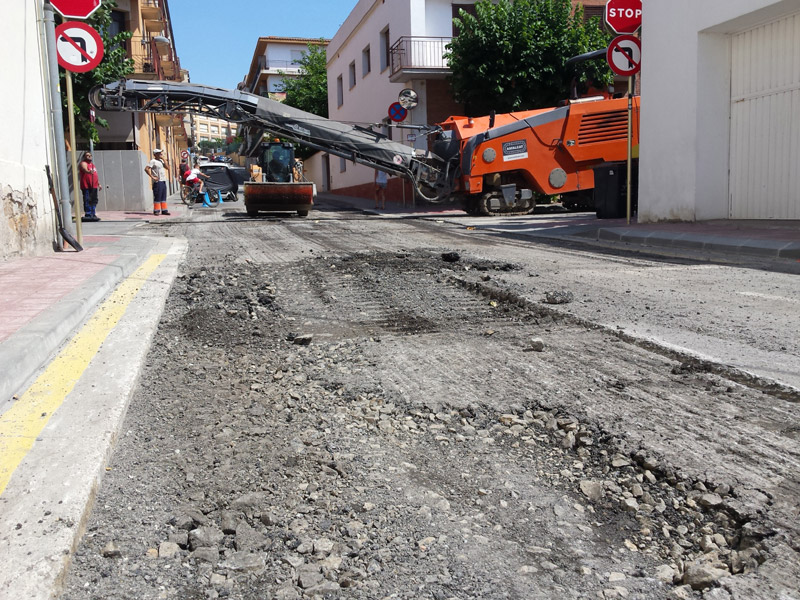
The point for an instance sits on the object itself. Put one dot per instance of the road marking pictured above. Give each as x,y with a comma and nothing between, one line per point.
25,420
768,296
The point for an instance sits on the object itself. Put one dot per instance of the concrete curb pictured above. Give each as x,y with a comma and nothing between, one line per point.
33,345
737,246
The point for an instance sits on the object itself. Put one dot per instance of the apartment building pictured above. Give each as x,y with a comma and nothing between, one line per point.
207,128
125,148
382,48
276,59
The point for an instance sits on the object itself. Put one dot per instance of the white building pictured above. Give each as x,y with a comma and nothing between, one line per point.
720,119
382,48
275,59
27,221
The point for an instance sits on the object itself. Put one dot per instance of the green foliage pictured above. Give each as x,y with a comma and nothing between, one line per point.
114,66
512,55
210,146
309,91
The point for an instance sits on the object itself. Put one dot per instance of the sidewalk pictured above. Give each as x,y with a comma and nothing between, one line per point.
46,297
779,240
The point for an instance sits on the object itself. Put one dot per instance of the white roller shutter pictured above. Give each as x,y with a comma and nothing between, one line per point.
765,121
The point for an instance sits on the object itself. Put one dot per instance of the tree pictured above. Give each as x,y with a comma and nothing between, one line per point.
309,90
114,66
511,55
211,146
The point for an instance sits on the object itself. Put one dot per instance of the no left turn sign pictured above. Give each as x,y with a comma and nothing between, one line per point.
624,55
79,47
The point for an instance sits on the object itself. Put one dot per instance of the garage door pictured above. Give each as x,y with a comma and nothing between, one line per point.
765,122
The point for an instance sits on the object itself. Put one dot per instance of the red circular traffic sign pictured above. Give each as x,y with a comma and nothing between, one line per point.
76,9
397,113
624,55
624,16
79,47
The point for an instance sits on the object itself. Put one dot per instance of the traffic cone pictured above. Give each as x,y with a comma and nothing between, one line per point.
206,200
219,195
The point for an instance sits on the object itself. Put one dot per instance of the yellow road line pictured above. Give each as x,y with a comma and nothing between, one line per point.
25,420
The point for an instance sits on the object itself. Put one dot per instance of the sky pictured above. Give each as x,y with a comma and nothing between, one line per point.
215,39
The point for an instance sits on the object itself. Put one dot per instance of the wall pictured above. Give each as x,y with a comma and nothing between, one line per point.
368,101
123,183
27,221
686,103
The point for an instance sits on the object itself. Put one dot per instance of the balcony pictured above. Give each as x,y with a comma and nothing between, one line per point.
273,67
154,58
418,58
150,9
155,19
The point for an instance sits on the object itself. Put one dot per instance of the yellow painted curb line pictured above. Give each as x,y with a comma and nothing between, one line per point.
25,420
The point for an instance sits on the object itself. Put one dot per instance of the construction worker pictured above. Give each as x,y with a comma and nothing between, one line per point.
156,170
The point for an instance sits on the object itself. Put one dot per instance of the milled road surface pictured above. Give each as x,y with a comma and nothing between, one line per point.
357,407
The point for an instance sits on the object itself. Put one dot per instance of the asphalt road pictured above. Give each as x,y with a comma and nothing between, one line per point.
365,407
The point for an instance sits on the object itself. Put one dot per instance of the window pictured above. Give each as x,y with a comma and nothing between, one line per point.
117,23
385,49
202,128
589,12
467,8
366,62
297,56
352,71
342,165
215,129
339,91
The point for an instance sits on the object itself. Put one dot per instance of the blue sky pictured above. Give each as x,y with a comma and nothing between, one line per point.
216,39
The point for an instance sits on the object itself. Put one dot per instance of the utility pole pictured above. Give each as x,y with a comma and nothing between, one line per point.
58,118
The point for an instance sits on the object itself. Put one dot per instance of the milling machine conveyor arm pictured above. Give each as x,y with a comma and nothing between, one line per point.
351,142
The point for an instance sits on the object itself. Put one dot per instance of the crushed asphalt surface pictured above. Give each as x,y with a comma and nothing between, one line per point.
356,408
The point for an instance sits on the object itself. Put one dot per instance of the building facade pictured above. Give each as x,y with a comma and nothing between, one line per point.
274,60
27,221
720,123
208,128
127,145
380,49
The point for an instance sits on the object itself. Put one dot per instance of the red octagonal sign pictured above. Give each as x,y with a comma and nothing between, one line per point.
76,9
624,16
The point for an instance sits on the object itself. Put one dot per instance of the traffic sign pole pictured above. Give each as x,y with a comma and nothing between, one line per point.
57,121
630,148
77,209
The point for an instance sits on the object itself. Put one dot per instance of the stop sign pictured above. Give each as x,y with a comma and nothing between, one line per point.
624,16
76,9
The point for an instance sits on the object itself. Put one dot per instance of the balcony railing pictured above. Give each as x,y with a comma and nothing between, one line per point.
280,65
419,53
154,60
